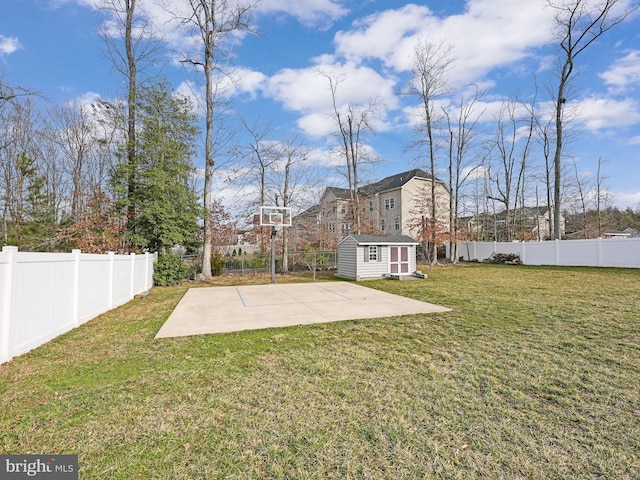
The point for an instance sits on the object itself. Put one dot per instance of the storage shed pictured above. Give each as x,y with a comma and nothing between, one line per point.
376,256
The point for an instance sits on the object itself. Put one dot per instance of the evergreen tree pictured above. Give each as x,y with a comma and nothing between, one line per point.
166,207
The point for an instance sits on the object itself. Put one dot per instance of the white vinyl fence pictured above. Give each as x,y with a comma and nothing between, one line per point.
43,295
600,252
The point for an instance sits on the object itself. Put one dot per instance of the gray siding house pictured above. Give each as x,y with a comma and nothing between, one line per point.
363,257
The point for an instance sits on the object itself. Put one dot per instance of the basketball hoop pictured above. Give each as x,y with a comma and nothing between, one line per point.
277,218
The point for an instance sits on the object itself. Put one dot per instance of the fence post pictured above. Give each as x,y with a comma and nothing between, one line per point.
5,312
146,270
112,258
133,274
75,295
599,253
523,252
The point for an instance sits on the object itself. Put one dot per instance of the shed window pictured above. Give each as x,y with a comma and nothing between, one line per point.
372,253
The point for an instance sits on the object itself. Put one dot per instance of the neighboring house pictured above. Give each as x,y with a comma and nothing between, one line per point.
363,257
626,233
402,202
335,218
396,205
528,223
305,229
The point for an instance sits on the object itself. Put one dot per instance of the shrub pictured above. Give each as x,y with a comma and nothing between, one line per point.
259,260
169,270
217,264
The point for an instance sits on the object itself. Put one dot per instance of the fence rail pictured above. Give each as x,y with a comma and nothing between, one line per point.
43,295
600,252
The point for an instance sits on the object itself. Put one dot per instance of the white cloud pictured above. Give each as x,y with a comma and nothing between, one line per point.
317,124
238,81
8,45
307,92
627,200
607,114
249,81
624,71
307,12
488,34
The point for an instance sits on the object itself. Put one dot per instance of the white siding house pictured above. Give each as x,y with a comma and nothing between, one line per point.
363,257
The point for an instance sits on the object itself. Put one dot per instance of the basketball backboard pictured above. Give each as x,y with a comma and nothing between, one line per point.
275,216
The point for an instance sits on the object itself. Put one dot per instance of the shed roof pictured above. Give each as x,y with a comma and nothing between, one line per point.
381,239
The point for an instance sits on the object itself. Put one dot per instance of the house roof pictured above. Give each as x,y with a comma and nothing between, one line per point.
309,212
338,192
617,233
388,183
380,239
395,181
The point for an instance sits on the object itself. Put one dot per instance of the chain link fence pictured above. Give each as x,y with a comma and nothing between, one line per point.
241,264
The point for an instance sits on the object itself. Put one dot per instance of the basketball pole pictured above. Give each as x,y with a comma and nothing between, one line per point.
273,254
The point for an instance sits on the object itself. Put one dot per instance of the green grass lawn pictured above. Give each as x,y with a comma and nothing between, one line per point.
534,374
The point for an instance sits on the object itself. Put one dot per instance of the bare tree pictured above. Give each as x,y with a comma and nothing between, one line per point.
600,193
257,157
12,93
461,134
22,184
581,191
513,145
211,21
291,181
70,126
579,24
543,137
353,123
18,129
431,62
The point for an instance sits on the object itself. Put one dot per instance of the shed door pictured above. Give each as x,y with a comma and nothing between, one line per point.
399,260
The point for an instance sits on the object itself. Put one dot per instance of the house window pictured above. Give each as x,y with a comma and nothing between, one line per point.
397,223
372,253
332,226
382,222
343,208
345,228
389,203
371,206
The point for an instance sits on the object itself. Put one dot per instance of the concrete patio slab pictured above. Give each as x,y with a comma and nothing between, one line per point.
231,309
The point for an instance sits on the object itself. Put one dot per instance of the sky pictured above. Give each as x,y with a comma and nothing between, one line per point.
503,47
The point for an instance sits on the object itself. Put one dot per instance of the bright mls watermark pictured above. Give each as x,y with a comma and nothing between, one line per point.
49,467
